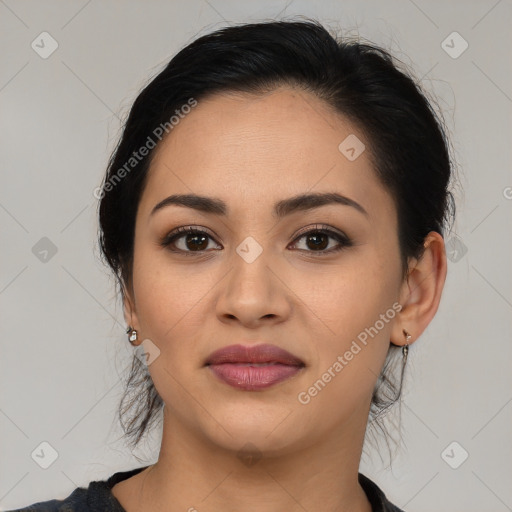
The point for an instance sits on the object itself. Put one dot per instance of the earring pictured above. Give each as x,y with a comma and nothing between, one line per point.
405,348
132,336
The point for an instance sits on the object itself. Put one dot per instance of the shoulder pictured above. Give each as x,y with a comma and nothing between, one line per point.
97,496
76,501
376,496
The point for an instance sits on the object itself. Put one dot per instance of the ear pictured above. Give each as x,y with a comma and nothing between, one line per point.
420,293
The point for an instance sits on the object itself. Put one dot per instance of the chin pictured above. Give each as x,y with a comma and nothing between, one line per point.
252,442
264,428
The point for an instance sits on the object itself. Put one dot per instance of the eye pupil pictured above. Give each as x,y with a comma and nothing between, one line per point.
316,244
195,237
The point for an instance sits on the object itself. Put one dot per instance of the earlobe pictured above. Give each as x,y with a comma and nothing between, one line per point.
131,319
421,291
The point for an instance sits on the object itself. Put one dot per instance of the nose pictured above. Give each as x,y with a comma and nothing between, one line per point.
254,294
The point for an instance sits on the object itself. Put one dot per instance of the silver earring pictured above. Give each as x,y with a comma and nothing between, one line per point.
405,348
132,336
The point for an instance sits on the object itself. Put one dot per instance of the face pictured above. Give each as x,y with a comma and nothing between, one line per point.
322,282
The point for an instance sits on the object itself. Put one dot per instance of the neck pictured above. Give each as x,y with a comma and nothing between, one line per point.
192,474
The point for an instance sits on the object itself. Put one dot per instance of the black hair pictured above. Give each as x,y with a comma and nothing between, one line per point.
407,143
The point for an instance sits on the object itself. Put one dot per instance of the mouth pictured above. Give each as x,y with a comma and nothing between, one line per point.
253,368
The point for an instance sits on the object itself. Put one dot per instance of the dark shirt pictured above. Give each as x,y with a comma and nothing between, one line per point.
98,497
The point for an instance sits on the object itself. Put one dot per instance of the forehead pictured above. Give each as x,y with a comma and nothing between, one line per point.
263,147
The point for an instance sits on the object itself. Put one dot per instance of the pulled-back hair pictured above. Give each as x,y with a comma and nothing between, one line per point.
406,141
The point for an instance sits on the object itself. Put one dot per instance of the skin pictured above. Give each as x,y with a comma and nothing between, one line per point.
251,151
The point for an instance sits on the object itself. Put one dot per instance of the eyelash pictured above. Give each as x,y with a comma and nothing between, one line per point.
178,233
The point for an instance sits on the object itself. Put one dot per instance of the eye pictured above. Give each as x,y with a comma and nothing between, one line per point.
318,240
194,240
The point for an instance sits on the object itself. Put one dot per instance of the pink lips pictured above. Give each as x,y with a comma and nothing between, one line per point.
252,368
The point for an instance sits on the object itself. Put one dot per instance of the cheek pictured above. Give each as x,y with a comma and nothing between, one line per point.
350,347
168,301
353,309
167,296
345,299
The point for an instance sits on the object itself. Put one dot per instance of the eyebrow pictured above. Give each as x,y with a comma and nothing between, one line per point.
301,202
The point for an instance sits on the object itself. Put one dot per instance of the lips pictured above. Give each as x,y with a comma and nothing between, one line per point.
253,354
253,368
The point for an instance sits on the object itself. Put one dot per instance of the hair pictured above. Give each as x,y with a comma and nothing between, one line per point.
407,144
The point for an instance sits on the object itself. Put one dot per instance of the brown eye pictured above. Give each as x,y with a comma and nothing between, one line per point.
318,240
195,241
187,240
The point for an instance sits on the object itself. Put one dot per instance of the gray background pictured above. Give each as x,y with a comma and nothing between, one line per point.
63,347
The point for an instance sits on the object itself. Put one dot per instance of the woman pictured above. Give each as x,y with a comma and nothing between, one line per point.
274,213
